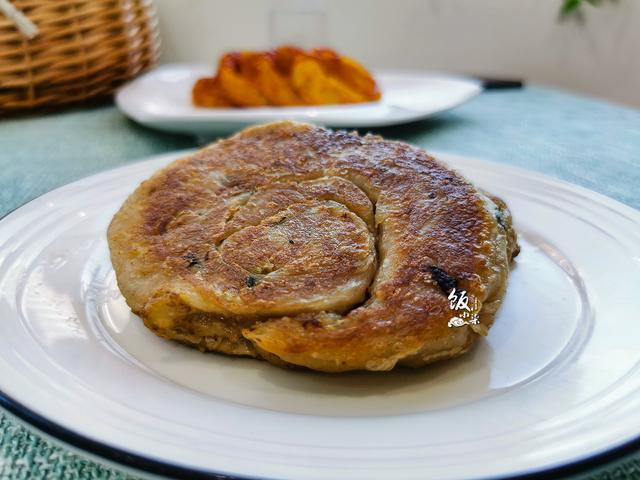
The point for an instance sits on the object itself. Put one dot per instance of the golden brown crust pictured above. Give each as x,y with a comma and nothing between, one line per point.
311,247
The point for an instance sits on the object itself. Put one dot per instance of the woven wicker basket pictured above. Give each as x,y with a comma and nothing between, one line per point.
84,49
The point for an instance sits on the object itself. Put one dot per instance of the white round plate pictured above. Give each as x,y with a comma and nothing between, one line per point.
555,382
161,99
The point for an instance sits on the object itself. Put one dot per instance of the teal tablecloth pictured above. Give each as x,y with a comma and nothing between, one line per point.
588,142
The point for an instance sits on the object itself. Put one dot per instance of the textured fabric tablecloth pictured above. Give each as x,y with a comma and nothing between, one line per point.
584,141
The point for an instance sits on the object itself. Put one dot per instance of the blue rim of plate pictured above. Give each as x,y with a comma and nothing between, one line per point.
156,467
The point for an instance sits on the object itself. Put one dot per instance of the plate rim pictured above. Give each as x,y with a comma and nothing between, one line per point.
148,465
98,450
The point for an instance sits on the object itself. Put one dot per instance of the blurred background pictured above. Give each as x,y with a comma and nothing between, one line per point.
594,51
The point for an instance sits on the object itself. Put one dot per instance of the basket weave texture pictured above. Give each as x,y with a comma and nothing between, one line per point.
84,49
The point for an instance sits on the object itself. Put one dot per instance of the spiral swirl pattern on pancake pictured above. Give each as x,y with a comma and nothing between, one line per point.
313,248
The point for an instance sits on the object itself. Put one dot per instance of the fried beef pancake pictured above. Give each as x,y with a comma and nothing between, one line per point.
315,248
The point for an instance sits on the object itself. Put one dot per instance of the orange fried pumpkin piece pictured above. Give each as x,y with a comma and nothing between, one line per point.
316,87
237,88
285,56
207,93
348,71
261,70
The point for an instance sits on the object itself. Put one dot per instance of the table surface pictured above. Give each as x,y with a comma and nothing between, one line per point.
584,141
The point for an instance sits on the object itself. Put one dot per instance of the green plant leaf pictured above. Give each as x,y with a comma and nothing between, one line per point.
570,6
